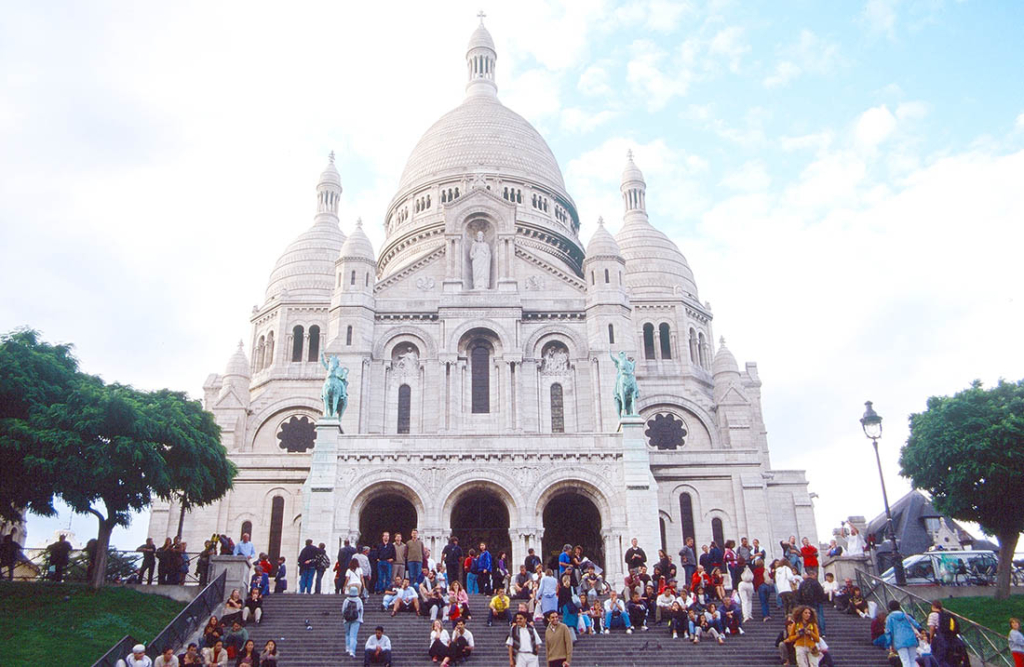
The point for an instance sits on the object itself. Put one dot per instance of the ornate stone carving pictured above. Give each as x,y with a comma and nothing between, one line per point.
626,391
480,256
405,360
425,283
534,284
555,360
335,391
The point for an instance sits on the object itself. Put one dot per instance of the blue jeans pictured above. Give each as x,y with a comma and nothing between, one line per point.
471,586
319,578
763,594
351,632
623,619
385,656
383,576
306,580
414,570
821,617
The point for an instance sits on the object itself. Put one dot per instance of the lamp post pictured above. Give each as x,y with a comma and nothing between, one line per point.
872,424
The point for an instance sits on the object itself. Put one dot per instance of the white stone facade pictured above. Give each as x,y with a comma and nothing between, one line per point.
501,389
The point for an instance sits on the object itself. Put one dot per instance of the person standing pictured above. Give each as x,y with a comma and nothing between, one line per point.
10,554
60,556
148,551
281,576
452,557
811,594
635,557
346,552
321,564
809,553
414,558
1016,643
804,637
484,567
385,560
401,551
904,634
547,593
365,569
352,615
523,643
245,548
557,641
688,559
307,567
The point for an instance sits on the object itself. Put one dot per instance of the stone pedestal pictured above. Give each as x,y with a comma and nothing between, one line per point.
845,567
641,493
237,568
319,497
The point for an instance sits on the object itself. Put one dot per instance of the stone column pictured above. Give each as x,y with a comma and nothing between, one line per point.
641,493
318,493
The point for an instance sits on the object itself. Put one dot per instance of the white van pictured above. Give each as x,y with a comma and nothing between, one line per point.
948,568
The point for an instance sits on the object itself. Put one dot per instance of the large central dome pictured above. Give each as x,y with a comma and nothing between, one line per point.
481,133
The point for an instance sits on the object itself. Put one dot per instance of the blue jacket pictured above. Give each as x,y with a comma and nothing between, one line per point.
483,562
900,628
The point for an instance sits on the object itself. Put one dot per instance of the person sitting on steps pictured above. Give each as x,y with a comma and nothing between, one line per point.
377,650
615,614
408,599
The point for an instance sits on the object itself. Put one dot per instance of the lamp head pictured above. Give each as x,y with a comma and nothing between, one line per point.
872,422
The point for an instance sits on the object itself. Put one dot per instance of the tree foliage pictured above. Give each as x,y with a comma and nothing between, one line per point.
104,449
967,452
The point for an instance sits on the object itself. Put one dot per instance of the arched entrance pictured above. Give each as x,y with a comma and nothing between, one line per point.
481,516
572,518
389,512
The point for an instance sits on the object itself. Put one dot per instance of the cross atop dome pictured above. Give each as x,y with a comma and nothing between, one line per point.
480,15
330,156
629,154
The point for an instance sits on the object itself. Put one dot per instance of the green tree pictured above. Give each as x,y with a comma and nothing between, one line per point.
107,450
967,452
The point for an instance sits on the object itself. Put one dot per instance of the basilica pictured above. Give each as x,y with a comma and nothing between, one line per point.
480,344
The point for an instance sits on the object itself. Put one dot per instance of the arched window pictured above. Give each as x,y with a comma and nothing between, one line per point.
297,334
314,343
717,534
607,278
693,346
666,341
686,516
352,280
269,359
648,341
246,529
276,523
481,380
404,408
260,351
702,350
661,521
611,334
593,280
348,335
366,283
557,409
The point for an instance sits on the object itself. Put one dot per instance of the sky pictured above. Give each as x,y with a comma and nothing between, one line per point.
845,179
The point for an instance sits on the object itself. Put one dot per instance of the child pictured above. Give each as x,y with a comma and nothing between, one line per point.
1016,643
281,577
830,586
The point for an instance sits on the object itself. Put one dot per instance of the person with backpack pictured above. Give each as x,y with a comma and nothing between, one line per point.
352,615
904,634
321,563
810,593
307,567
943,635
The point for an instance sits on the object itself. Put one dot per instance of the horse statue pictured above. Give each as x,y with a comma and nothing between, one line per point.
626,390
335,391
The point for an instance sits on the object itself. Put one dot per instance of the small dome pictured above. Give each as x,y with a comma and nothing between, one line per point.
481,38
330,175
306,268
632,173
238,364
724,361
654,265
602,244
357,245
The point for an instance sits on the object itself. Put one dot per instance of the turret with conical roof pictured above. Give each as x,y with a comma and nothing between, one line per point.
481,58
353,303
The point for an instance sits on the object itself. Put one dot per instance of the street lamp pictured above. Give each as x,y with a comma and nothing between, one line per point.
872,424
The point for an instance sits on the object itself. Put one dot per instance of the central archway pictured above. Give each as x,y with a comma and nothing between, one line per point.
481,516
389,512
572,518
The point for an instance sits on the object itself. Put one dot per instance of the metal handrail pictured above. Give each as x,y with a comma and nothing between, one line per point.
986,644
117,652
178,630
78,564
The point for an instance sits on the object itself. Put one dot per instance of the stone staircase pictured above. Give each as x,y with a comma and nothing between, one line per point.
285,617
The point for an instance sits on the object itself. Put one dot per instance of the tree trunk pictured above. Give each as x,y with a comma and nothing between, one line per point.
1007,545
99,568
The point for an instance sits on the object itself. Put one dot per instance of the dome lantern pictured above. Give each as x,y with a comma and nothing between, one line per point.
634,188
328,190
480,61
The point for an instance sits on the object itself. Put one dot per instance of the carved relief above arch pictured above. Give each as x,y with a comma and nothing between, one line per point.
388,339
571,339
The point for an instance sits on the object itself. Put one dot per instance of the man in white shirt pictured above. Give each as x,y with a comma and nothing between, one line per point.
364,567
523,643
137,658
378,648
408,599
462,642
615,614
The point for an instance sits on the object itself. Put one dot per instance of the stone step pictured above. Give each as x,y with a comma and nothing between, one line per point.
285,617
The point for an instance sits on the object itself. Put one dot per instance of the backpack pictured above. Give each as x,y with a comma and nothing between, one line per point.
949,625
227,545
351,611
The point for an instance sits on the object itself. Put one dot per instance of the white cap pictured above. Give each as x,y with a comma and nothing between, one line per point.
139,648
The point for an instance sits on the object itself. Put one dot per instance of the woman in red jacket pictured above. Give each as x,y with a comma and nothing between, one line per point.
809,552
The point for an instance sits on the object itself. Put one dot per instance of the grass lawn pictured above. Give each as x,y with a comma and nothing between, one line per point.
72,625
991,613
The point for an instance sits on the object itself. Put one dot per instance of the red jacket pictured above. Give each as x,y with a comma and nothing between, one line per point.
810,554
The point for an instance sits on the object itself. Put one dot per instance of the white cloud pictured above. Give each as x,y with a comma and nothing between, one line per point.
810,54
880,15
874,126
1020,122
576,120
752,176
594,81
911,110
652,75
730,44
818,141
